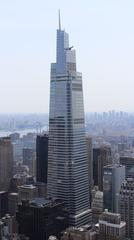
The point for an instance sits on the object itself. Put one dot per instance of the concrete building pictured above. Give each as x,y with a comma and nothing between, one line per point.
27,192
41,218
126,206
113,177
85,232
97,205
101,158
6,163
111,227
67,152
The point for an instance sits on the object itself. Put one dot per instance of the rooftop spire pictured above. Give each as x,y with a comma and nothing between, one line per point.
59,21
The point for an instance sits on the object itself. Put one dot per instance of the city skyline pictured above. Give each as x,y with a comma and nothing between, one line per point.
101,31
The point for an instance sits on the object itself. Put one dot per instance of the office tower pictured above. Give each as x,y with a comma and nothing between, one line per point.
27,192
40,218
90,162
3,203
128,162
126,206
67,153
97,205
6,163
12,203
101,158
41,158
29,158
111,227
113,177
85,232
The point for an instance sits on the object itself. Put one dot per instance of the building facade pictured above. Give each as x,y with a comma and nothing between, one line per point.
27,192
67,152
111,227
101,158
128,162
126,206
29,158
3,203
41,158
90,163
82,233
113,177
97,205
6,163
40,218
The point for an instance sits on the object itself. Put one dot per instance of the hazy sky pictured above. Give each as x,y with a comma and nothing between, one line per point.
102,33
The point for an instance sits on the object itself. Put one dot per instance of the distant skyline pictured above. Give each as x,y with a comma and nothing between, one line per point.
103,34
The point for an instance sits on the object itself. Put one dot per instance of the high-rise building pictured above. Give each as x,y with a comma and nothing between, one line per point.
6,163
111,227
101,158
113,177
40,218
67,152
3,203
126,206
90,162
41,158
12,203
29,158
97,205
128,162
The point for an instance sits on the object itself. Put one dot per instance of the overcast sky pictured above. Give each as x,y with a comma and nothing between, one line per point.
102,32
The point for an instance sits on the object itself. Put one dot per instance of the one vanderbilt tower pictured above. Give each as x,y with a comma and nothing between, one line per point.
67,154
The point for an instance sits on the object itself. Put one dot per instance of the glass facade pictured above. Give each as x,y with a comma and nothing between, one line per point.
67,153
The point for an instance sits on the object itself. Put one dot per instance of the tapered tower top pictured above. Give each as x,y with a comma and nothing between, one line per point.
59,21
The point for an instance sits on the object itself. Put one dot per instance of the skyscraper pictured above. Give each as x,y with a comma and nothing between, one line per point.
6,163
126,206
101,158
113,177
41,158
67,153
